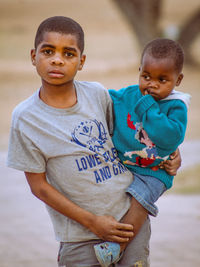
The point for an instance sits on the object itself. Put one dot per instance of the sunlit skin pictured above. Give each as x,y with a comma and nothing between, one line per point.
57,60
158,77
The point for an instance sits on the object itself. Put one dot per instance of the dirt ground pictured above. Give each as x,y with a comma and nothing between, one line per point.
26,235
27,238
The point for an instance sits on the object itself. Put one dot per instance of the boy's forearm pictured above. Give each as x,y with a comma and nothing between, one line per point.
171,166
105,227
53,198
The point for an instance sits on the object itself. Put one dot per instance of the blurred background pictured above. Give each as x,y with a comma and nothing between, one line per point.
115,33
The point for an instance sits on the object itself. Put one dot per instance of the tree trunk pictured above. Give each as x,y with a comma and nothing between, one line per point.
189,32
143,17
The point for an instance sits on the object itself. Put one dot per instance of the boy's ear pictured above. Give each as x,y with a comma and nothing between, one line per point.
82,61
33,56
180,77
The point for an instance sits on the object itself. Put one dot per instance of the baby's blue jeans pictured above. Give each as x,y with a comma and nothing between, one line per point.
146,190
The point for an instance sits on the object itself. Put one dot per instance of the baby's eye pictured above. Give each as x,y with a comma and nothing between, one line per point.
162,80
146,77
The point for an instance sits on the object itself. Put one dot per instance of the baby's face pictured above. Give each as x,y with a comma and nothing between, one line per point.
158,77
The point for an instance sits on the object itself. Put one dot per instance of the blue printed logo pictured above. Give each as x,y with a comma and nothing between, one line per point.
91,134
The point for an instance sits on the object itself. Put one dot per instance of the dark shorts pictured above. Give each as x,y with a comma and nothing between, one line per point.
82,254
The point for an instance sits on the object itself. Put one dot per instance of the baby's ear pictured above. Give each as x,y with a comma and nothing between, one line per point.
180,77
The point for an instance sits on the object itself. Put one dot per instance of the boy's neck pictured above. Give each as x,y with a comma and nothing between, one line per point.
58,97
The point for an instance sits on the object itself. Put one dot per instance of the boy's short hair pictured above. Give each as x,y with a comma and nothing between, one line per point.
165,48
63,25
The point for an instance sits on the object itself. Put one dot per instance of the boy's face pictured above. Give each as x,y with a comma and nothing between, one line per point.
158,77
57,59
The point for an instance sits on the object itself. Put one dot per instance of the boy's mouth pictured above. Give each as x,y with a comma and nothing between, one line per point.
56,74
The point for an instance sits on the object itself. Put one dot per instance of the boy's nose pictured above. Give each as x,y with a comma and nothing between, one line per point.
57,61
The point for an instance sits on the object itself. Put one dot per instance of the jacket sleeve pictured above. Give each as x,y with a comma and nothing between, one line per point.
166,131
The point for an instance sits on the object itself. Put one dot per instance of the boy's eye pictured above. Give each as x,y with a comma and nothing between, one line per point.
69,54
48,52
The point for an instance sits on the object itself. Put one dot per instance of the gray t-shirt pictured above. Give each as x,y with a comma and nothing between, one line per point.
73,146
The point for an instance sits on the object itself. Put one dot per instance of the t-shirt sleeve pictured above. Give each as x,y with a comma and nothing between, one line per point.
110,114
23,154
107,104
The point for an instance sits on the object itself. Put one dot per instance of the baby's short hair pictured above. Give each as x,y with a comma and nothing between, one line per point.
165,48
63,25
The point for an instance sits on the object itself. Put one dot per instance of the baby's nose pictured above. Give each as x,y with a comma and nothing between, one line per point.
154,84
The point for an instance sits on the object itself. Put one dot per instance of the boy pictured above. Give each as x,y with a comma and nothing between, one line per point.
150,123
60,138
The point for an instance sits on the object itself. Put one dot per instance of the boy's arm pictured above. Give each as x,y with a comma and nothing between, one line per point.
105,227
166,131
172,165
